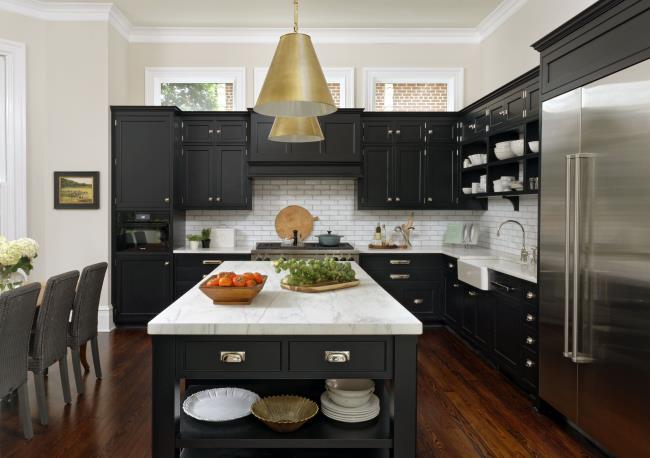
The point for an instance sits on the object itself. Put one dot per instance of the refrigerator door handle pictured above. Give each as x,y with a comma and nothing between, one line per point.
567,255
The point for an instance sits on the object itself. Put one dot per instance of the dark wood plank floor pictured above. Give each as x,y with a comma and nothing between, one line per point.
466,408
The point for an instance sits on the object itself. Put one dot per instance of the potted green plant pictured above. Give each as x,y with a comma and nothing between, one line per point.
205,237
195,241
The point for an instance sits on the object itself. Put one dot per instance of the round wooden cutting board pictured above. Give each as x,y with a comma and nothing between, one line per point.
294,217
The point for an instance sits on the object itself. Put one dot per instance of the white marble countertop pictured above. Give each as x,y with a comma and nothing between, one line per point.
363,310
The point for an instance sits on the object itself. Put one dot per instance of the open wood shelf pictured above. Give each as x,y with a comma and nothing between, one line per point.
320,432
284,453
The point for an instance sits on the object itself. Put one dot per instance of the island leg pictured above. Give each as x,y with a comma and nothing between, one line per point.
165,402
405,397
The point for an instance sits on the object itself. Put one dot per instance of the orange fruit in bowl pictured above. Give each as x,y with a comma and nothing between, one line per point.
258,277
251,282
225,281
239,281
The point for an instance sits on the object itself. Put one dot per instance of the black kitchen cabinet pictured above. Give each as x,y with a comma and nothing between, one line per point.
532,101
475,124
469,303
143,142
508,333
191,268
215,177
453,303
378,131
142,287
376,187
439,177
206,130
407,160
393,130
440,130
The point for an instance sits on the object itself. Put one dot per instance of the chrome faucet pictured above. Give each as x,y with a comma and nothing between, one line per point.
524,253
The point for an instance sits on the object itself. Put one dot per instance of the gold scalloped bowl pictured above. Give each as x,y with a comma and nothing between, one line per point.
284,414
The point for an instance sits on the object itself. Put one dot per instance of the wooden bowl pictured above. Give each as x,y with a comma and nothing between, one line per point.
284,414
231,295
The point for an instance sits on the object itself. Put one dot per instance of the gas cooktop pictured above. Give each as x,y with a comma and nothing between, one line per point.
305,246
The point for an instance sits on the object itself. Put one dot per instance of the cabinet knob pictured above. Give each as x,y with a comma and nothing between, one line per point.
397,199
472,293
418,301
530,363
430,132
166,263
429,199
218,131
209,199
530,295
398,132
337,356
210,131
218,199
389,199
530,340
456,285
166,199
530,318
390,132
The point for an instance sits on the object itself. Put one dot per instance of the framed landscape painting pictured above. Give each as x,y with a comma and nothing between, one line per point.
76,190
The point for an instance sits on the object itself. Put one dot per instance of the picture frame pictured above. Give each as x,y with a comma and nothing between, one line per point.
76,190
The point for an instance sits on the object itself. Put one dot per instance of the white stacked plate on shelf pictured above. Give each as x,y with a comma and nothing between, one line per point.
365,412
220,404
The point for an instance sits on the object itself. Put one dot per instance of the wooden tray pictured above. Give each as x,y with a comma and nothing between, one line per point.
231,295
387,247
319,288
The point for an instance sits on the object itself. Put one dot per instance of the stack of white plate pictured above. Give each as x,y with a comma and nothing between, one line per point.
350,400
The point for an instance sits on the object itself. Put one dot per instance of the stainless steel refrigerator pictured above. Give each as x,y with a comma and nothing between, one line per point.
595,259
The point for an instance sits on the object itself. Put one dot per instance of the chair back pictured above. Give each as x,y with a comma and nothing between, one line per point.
17,309
50,336
86,303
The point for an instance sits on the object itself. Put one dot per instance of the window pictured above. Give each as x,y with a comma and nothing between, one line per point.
416,89
196,89
339,80
13,178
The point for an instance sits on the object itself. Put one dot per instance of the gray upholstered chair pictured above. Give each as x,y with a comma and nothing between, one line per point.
83,327
16,317
48,343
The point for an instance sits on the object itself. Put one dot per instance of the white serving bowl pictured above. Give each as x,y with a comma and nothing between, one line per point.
467,190
503,154
483,158
475,159
498,187
506,179
350,387
517,147
344,401
534,146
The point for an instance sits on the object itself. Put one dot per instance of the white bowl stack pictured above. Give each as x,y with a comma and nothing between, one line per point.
502,150
350,400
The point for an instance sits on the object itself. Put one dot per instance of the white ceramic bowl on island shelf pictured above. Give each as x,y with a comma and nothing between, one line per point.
467,190
503,153
534,146
517,147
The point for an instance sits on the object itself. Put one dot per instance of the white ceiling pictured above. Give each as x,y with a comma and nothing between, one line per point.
313,13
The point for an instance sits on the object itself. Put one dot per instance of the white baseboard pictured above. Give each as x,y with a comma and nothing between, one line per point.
105,318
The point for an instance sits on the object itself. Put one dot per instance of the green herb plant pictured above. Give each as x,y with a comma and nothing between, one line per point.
194,238
314,271
205,233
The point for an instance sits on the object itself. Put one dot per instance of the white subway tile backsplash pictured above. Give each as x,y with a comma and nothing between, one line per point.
334,201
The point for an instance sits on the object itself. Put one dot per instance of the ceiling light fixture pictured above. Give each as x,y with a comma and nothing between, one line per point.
295,85
296,130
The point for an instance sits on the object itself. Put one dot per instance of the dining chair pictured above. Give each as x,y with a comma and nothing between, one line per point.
48,343
83,327
17,309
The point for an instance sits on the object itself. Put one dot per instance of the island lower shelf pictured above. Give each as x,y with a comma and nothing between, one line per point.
320,432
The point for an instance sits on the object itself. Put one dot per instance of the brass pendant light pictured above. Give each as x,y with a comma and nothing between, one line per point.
295,85
296,130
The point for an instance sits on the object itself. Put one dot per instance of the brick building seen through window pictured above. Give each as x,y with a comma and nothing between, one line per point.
335,89
411,96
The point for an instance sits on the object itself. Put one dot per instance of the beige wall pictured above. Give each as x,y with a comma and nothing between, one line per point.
507,53
330,55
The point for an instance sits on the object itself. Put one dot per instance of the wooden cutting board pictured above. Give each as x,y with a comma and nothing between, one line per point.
320,288
294,217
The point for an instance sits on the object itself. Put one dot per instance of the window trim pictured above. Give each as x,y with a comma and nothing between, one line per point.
155,76
342,75
13,191
453,77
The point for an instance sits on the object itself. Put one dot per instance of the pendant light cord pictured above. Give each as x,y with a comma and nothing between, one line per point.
295,16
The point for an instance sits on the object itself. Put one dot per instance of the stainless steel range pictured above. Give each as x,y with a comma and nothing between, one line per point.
267,251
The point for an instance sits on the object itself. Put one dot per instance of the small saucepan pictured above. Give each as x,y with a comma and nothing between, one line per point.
329,239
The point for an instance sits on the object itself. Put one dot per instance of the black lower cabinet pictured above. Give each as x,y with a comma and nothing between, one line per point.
142,287
190,268
416,281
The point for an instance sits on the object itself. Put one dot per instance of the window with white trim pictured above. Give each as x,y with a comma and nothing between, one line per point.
413,89
196,88
340,81
13,152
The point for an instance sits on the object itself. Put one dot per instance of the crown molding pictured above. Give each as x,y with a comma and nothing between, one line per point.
108,12
497,17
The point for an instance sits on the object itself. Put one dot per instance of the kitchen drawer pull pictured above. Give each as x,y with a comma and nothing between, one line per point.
502,286
400,262
400,276
450,265
530,295
530,340
418,301
337,356
530,317
233,356
456,285
529,363
212,262
472,293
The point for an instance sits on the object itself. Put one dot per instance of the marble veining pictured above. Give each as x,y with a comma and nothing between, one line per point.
363,310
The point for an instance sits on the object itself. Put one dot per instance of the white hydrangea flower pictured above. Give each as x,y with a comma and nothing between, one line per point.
11,252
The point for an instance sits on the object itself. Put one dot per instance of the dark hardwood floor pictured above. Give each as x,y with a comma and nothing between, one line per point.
466,408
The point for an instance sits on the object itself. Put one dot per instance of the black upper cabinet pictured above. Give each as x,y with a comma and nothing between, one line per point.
215,177
439,132
515,105
439,176
475,123
393,130
342,133
143,145
408,131
376,188
142,287
408,175
532,99
378,131
263,149
210,130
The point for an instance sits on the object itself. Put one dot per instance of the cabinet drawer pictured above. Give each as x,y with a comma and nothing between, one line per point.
422,298
398,261
194,274
339,356
207,260
211,356
505,285
400,275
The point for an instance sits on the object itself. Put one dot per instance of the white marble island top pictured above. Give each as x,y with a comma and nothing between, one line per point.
363,310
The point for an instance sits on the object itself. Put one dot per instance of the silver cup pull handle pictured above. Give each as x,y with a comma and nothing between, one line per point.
233,357
337,356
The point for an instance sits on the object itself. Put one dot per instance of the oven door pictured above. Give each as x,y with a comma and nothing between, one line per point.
137,232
